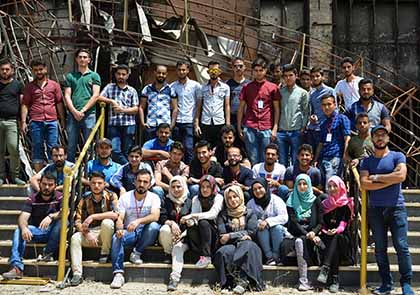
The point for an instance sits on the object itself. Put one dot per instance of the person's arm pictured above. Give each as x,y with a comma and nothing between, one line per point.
318,153
387,124
69,104
294,225
115,180
23,220
368,184
158,178
281,217
143,104
214,210
197,129
346,145
23,115
306,110
92,101
240,116
174,107
397,176
227,110
61,114
152,217
78,217
319,216
276,106
34,181
155,154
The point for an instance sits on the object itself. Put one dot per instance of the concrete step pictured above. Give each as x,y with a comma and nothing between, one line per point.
14,190
9,216
411,195
413,223
413,239
393,259
413,209
11,203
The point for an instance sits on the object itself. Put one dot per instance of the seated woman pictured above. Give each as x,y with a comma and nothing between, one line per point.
338,211
175,206
202,229
238,261
305,222
272,215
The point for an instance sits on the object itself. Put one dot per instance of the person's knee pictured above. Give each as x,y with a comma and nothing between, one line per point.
107,224
76,238
152,227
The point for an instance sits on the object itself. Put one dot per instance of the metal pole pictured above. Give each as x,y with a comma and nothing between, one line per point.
70,11
363,245
102,127
125,20
302,54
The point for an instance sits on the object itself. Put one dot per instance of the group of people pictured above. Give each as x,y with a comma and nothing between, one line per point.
239,172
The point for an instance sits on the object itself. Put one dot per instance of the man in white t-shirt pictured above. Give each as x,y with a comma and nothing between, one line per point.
347,90
270,169
137,226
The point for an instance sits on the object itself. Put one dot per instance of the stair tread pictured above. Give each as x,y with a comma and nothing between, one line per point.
411,191
9,212
12,198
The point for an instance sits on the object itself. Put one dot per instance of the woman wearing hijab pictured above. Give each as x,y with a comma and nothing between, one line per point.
202,229
239,260
305,222
272,215
338,211
175,206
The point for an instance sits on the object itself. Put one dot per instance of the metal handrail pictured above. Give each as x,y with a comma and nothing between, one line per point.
69,175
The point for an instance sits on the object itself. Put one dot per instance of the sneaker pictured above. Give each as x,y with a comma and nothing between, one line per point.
270,262
335,286
103,258
203,262
45,257
18,181
406,289
118,281
323,274
240,287
135,257
13,273
304,287
172,286
76,280
383,290
1,181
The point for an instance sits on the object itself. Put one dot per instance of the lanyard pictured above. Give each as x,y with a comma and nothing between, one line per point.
137,208
329,127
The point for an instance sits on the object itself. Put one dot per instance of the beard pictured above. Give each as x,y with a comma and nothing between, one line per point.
365,98
6,77
59,164
141,190
233,163
213,78
380,147
103,157
46,193
160,80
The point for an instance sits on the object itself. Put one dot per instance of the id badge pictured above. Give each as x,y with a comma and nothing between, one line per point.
260,104
329,137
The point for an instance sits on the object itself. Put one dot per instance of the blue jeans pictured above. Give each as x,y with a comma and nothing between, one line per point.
73,131
140,239
288,142
51,236
159,191
43,132
283,192
183,132
395,219
122,138
255,143
330,167
270,240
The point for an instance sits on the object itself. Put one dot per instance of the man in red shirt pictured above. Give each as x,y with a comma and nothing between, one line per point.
262,101
43,99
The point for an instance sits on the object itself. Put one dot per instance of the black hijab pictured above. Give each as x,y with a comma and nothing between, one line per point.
207,202
264,201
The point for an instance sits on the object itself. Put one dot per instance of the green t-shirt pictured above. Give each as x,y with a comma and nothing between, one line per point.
81,87
359,148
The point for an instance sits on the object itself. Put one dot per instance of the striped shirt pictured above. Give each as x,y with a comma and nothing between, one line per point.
40,208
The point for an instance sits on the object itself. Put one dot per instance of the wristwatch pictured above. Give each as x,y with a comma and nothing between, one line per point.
51,216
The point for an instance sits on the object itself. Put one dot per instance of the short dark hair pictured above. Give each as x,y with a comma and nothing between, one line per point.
212,63
135,149
347,59
305,147
305,72
160,65
58,147
259,62
327,95
227,129
183,62
163,126
85,50
144,171
49,175
272,146
276,63
7,61
289,68
37,63
365,81
202,143
362,115
97,174
123,67
177,145
317,70
237,58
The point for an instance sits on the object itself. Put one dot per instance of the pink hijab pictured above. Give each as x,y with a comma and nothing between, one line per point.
340,199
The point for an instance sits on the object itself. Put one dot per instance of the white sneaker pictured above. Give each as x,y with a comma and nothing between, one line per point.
135,257
203,262
118,281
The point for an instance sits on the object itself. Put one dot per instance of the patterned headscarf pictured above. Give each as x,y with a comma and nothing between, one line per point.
181,200
302,202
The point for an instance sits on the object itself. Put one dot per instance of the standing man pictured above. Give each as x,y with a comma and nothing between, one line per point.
305,80
360,145
294,115
235,84
81,90
161,102
213,106
187,91
276,74
43,99
11,95
382,175
347,90
124,102
261,99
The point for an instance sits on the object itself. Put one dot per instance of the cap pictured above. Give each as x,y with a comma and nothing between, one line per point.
378,127
103,141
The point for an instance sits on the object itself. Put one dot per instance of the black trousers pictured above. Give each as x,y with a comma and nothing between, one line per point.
202,238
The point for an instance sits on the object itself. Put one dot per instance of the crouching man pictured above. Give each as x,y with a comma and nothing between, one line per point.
39,222
94,223
137,226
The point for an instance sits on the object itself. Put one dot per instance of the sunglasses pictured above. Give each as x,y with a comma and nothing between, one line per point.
214,71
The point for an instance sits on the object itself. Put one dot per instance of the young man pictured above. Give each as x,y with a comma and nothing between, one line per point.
124,106
11,95
213,106
319,89
235,84
260,101
187,91
59,158
94,222
43,100
360,145
294,115
81,90
335,136
276,74
159,147
368,103
39,222
161,102
136,225
382,175
270,169
202,165
347,90
305,81
166,169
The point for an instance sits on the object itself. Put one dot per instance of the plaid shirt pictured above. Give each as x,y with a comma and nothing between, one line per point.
158,104
88,206
126,97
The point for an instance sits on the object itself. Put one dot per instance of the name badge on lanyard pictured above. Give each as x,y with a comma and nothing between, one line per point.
329,137
260,104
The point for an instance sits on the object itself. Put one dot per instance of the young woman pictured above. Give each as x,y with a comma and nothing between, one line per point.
272,215
338,211
175,206
239,260
305,222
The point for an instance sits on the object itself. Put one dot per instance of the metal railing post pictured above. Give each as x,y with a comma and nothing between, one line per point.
102,127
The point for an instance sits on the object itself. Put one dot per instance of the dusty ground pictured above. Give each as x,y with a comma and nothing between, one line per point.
94,288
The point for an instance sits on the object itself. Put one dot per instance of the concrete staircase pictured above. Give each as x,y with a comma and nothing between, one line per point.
153,270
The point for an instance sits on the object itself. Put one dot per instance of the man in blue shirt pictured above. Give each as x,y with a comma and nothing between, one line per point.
159,147
382,174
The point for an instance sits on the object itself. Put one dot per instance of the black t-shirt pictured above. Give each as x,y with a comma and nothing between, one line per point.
245,177
39,208
10,99
197,171
221,154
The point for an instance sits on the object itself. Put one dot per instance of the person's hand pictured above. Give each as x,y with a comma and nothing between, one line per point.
315,163
78,116
91,239
346,158
313,119
166,172
133,225
331,232
119,233
122,191
197,131
224,239
262,225
241,133
310,235
88,220
118,109
273,183
273,136
175,229
316,240
23,127
246,237
144,125
45,223
184,219
63,124
354,162
26,234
